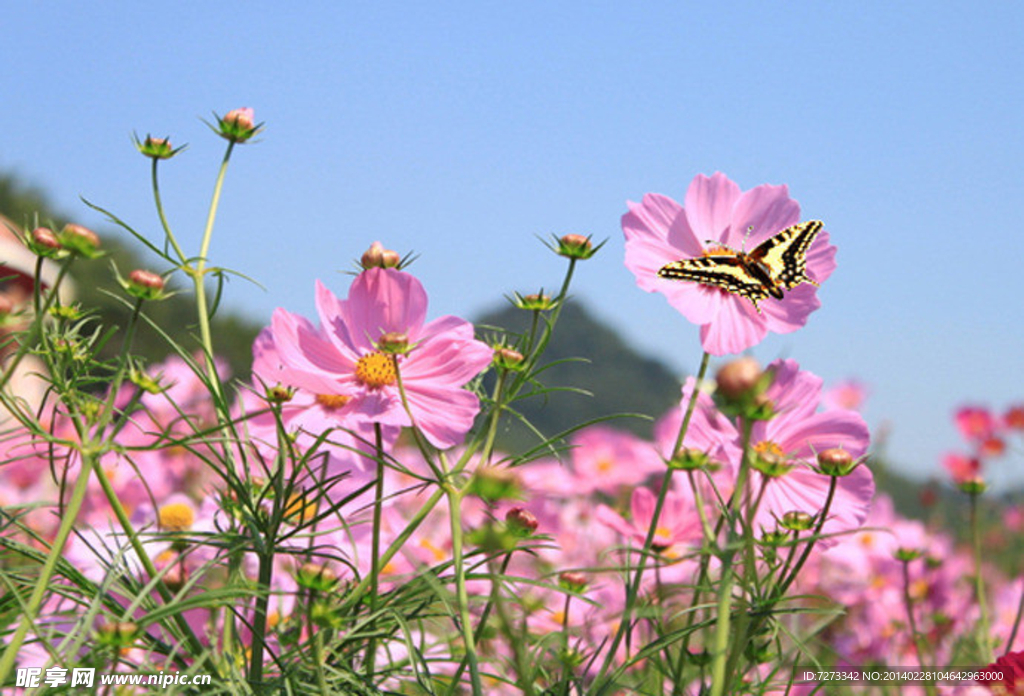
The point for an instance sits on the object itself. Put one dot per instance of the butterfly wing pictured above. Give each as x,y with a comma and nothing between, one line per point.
728,272
784,255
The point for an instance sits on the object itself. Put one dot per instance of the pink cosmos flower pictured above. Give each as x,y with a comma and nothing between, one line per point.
604,459
716,212
677,524
849,394
343,358
975,423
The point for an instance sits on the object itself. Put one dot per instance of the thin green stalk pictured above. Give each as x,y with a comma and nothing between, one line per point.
919,640
979,583
720,642
259,624
633,590
378,507
199,276
42,587
462,596
493,599
163,218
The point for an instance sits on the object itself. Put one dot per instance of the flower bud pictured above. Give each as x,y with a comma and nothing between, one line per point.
493,484
507,358
44,242
280,394
393,342
797,521
906,555
238,125
144,382
156,148
1014,417
379,257
572,581
835,461
740,389
738,378
538,302
972,486
521,521
690,459
145,285
576,246
117,634
316,577
80,240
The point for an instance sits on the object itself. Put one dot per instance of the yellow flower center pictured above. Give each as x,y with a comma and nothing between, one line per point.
438,554
300,509
605,465
767,448
332,401
176,517
376,370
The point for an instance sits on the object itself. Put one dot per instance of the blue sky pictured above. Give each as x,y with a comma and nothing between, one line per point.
461,131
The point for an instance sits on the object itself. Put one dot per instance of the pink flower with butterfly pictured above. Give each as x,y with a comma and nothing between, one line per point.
738,300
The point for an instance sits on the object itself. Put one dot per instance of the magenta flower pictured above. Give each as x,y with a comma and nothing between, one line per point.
659,231
677,524
349,358
604,459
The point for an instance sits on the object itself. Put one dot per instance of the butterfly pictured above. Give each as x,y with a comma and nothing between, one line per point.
776,264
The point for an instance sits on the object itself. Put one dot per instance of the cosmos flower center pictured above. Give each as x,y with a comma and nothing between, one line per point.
376,370
605,465
176,517
662,538
332,401
770,451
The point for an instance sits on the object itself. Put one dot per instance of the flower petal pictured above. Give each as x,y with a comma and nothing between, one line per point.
709,206
736,328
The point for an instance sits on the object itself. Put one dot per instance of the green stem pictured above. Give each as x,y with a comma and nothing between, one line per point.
979,583
462,596
163,218
67,523
378,507
720,653
199,276
633,590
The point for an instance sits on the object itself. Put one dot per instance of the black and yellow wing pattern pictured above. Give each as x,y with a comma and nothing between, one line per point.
779,263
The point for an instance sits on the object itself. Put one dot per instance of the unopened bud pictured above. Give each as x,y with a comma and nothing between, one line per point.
572,581
156,148
690,459
316,577
538,302
117,634
280,394
238,125
521,521
146,285
507,358
576,246
394,342
44,242
738,378
835,461
797,521
906,554
80,240
493,484
379,257
972,486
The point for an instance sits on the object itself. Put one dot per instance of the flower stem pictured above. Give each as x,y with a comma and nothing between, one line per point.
68,519
198,274
462,596
378,504
633,591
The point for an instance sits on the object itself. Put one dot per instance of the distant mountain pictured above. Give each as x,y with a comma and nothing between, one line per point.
619,379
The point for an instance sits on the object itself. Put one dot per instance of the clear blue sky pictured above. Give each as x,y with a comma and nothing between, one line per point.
462,131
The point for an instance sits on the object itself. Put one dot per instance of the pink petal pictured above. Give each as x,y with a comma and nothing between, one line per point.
807,436
384,300
821,258
792,311
709,206
767,209
447,354
333,320
443,414
737,327
313,363
794,392
642,505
